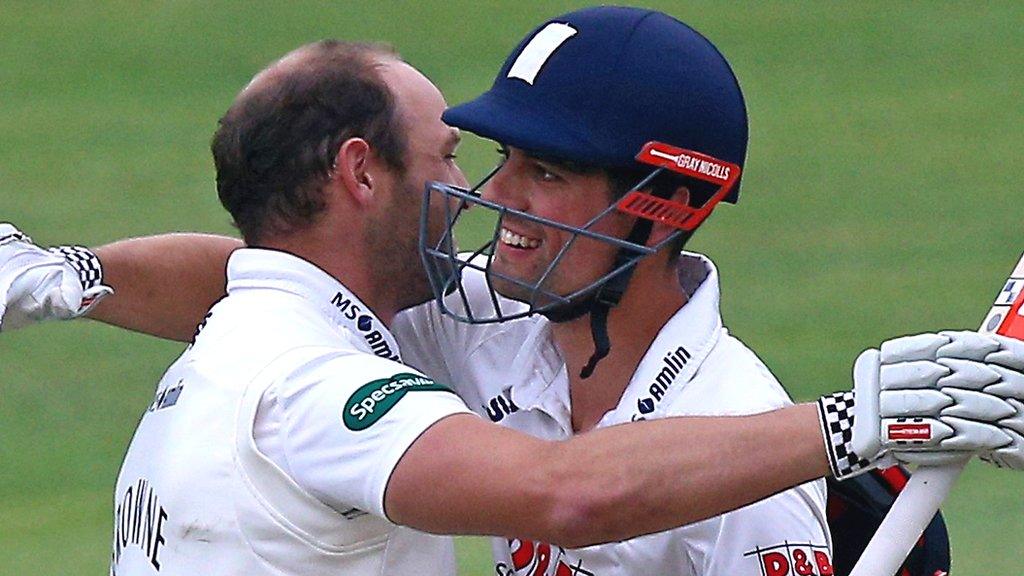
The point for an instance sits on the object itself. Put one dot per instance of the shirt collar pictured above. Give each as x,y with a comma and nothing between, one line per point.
680,347
259,268
677,351
539,376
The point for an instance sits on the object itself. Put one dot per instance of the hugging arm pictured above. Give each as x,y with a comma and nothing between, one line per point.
162,285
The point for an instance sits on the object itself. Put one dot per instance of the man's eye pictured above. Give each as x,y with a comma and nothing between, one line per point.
544,174
451,156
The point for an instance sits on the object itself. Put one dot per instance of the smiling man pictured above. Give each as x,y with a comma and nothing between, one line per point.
591,314
311,449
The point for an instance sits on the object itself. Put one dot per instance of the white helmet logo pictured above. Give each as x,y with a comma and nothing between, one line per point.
539,50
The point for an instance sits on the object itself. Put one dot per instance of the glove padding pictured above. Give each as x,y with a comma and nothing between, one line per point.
982,376
1005,358
36,284
930,399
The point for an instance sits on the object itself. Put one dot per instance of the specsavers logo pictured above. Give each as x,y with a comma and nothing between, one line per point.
374,399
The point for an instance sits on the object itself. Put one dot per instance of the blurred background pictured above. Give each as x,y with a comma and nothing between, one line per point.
880,197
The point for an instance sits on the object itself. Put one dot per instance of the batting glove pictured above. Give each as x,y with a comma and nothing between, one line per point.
929,399
61,283
1004,361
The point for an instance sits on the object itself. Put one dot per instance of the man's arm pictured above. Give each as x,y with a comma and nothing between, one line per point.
933,397
163,285
606,485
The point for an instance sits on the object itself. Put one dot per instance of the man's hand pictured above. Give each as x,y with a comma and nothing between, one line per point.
36,284
930,399
1005,361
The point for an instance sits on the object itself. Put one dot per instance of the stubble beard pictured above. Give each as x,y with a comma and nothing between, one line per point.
394,240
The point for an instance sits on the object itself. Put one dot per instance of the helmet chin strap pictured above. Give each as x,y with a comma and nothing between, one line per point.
609,295
600,303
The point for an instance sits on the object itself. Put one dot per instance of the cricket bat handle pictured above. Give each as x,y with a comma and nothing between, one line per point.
928,487
911,513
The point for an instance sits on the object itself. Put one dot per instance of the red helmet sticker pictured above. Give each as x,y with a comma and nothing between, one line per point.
688,163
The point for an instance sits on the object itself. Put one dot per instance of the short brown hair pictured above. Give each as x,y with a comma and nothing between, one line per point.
274,148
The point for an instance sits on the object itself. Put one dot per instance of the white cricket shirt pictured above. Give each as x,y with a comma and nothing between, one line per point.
270,441
513,373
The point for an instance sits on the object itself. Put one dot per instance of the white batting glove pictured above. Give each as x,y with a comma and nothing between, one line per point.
929,399
61,283
1004,357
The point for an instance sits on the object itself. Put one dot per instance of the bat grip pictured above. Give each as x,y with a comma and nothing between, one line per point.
913,510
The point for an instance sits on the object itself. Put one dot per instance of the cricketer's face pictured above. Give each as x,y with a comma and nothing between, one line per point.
430,155
526,249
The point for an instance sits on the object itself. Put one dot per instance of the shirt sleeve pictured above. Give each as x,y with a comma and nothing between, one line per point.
782,535
345,420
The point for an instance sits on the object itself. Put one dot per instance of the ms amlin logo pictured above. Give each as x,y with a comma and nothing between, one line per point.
371,401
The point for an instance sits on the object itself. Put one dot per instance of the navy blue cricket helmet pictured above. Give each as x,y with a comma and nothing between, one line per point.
594,86
605,87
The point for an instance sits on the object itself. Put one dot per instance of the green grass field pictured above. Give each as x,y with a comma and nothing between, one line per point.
880,197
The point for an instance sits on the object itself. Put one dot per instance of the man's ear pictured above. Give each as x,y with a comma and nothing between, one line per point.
351,171
660,231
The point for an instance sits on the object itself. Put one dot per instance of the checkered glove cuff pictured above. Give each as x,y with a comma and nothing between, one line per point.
835,414
84,262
